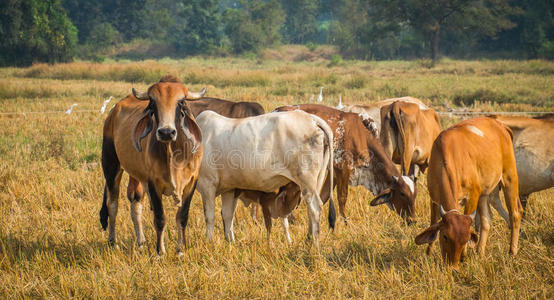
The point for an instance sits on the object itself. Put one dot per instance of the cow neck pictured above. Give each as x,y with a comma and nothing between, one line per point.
382,167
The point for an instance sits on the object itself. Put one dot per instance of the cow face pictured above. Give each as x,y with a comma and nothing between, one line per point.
454,232
171,114
400,197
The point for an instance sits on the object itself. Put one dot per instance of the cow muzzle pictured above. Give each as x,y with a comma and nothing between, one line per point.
166,134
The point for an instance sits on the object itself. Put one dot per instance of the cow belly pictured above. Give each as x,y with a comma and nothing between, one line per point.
255,181
534,173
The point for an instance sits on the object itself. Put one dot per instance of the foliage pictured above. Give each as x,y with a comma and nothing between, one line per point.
34,30
256,24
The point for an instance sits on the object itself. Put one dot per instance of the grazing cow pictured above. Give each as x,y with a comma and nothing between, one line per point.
373,110
468,163
407,134
534,152
263,153
277,204
359,159
225,108
154,137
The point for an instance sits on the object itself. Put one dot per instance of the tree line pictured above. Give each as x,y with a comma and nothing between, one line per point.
60,30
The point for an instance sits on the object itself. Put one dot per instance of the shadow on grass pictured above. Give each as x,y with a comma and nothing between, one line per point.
18,250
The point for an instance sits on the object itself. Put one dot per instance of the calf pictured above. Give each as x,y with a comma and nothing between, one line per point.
160,123
468,161
277,204
359,159
263,153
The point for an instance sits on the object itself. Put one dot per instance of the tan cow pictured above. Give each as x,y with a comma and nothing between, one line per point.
468,162
154,137
534,152
373,110
407,134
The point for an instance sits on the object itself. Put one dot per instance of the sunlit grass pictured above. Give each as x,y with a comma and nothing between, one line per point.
51,183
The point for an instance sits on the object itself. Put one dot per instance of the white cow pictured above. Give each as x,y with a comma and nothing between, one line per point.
263,153
373,110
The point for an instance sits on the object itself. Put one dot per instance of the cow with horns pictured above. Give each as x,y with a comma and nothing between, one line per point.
469,162
154,137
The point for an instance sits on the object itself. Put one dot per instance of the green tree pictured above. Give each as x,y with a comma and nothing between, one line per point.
430,17
253,25
35,30
200,30
301,20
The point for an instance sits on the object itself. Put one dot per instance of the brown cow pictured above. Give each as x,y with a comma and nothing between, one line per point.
361,160
468,163
223,107
226,108
160,123
278,204
407,134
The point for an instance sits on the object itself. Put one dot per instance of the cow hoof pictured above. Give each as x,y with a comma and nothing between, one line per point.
180,254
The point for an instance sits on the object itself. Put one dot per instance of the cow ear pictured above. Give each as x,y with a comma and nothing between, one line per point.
382,198
191,130
142,129
429,235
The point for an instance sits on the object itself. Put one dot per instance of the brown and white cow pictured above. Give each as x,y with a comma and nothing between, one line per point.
534,152
359,159
407,134
154,137
468,163
263,153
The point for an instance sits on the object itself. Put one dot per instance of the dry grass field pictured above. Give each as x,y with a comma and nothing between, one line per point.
51,183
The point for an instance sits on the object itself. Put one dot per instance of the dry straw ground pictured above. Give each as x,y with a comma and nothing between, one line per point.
51,245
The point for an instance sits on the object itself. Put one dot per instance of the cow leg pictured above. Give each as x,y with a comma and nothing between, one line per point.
497,205
267,219
342,179
511,196
314,209
181,220
435,217
523,199
135,194
112,202
159,217
286,228
254,211
228,206
484,218
112,174
208,202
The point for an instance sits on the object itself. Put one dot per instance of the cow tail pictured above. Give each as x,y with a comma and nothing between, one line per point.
396,121
332,217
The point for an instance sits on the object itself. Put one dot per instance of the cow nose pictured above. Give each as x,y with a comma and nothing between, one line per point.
166,134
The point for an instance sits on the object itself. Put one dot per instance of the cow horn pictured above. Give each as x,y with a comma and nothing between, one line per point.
442,211
140,96
196,95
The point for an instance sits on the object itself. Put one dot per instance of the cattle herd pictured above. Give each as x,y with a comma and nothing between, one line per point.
172,141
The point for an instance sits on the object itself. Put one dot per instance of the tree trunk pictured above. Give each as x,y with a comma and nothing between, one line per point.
435,43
